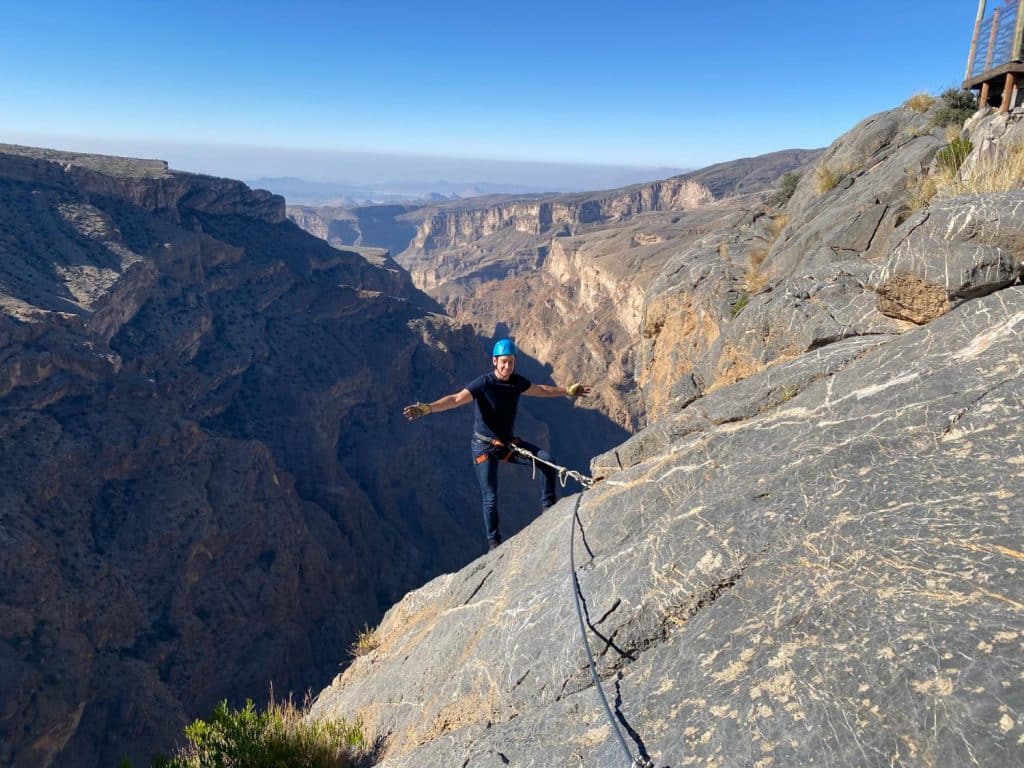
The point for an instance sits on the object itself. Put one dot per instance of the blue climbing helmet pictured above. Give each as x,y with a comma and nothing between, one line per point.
503,347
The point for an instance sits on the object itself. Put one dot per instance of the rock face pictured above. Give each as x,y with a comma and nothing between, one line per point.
826,573
848,260
810,556
585,306
208,485
465,223
753,174
381,226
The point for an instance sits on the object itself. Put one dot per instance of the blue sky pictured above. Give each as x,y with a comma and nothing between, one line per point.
665,83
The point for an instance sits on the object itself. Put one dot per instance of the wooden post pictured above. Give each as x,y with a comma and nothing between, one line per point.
983,97
974,40
992,40
1017,32
1011,81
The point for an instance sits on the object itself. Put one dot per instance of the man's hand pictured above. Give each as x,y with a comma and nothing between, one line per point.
415,411
577,390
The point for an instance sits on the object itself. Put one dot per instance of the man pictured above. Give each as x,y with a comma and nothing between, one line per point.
497,399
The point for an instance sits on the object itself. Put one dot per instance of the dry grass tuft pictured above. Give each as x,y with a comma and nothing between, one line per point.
998,172
366,642
755,281
757,257
919,102
921,193
778,224
952,133
825,178
738,306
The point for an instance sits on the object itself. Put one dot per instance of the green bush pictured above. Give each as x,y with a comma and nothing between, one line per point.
957,106
275,738
787,186
952,156
739,304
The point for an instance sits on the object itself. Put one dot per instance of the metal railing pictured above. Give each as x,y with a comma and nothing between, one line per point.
996,39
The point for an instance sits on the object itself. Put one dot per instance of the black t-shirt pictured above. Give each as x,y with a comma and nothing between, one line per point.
496,404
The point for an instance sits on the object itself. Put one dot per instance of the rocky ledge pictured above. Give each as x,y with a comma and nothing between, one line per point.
823,568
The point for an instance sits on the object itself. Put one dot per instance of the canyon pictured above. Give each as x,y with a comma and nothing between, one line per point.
208,483
802,548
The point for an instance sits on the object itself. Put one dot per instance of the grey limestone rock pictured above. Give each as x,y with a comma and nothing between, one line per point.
797,315
831,581
959,248
875,163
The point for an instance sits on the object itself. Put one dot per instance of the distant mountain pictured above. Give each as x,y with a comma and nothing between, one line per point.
299,191
303,192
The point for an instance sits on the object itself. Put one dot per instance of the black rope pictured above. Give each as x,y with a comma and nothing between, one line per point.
633,762
587,482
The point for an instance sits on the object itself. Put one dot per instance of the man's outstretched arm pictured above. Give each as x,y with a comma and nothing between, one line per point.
446,403
548,390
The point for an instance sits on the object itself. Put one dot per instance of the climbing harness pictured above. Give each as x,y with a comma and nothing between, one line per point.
634,762
495,443
564,473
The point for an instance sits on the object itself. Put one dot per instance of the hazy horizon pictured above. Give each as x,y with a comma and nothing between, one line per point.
375,172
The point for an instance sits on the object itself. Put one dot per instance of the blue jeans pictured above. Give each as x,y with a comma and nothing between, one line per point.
487,475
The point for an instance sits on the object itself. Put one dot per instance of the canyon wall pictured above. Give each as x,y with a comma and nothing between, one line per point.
208,483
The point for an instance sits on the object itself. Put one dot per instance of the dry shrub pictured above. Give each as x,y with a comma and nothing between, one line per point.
279,737
996,172
919,102
778,224
825,178
787,186
957,105
366,641
755,281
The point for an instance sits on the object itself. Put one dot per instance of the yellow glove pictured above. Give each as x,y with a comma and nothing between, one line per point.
415,411
576,390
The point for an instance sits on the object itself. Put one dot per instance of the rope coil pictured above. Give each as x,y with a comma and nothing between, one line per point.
564,473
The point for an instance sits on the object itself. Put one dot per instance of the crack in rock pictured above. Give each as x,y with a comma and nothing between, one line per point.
478,586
